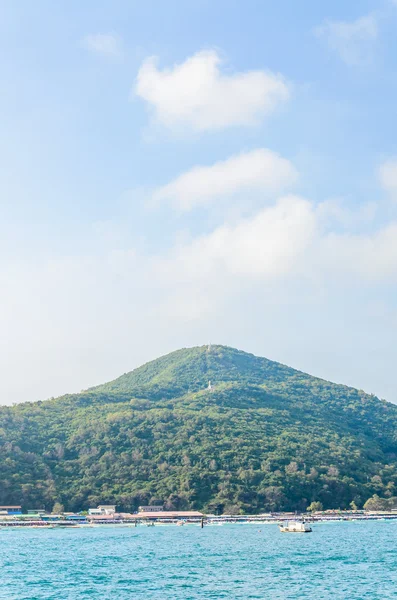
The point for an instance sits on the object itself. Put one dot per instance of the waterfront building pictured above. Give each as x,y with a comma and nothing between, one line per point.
36,511
150,508
10,510
170,514
103,509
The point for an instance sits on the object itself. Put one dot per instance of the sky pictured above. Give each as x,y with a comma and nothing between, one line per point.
179,173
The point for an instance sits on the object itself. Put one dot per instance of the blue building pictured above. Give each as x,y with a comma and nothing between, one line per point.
10,510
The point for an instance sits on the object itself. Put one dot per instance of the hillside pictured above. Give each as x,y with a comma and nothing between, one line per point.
265,437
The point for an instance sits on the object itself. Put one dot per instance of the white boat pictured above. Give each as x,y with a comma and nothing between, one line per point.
295,527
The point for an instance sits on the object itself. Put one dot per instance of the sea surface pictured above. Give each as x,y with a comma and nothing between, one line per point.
342,561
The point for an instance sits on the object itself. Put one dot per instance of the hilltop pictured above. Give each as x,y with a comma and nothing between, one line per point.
265,437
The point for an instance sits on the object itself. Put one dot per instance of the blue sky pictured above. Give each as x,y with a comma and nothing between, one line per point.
174,173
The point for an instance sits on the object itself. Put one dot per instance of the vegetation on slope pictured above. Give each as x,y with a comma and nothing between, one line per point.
266,437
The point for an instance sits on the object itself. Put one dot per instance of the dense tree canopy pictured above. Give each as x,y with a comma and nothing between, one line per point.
265,437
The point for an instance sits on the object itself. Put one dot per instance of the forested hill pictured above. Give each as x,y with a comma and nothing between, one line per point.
265,437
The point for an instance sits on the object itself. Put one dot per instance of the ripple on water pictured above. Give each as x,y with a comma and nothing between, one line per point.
338,561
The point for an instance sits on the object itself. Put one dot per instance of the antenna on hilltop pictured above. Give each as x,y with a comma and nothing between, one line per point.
209,347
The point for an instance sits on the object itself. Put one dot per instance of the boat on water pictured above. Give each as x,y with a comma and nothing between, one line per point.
295,527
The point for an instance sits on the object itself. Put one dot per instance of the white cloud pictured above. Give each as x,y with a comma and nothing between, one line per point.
290,238
259,170
106,44
266,245
353,41
197,94
388,176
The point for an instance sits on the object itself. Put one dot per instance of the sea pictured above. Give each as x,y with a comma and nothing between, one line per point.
338,561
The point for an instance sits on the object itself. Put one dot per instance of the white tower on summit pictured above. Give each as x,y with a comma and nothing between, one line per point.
209,386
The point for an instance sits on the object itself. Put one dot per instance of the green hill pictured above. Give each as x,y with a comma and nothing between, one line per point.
265,437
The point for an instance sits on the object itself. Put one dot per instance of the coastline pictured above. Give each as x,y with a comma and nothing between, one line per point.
54,522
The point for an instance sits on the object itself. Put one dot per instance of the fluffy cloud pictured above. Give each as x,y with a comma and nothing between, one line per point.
289,238
353,41
388,176
197,94
259,170
106,44
266,245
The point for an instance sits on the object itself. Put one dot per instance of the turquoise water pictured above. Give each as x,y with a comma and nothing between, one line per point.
342,561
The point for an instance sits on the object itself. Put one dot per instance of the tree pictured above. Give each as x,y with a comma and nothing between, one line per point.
58,509
274,497
292,467
353,505
376,503
333,471
315,507
231,509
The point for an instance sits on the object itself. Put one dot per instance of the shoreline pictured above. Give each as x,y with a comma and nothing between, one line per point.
86,523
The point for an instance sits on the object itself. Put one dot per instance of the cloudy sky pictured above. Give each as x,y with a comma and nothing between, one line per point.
177,173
